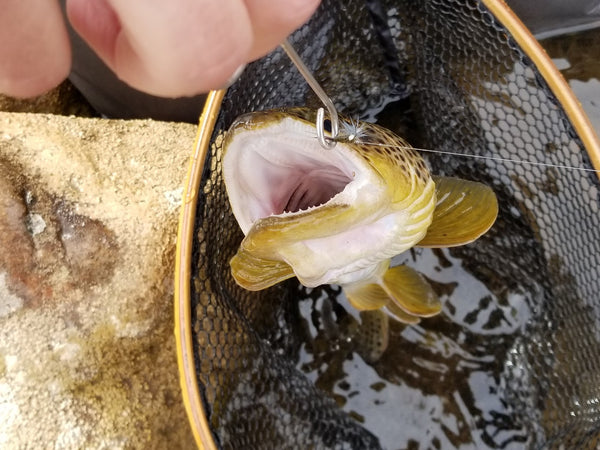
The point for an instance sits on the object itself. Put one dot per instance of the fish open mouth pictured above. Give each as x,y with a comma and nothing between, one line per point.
282,169
304,185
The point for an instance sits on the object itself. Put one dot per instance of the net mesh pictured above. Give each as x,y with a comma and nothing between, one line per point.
513,358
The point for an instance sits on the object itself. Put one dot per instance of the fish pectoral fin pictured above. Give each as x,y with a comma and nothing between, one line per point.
464,211
410,293
254,273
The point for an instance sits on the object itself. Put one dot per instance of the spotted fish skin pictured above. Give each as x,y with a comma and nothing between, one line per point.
339,216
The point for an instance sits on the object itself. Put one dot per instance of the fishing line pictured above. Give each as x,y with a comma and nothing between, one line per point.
356,140
492,158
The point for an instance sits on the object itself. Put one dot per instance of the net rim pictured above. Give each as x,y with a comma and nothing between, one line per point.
557,83
182,299
188,379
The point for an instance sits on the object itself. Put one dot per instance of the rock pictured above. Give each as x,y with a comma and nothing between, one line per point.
88,223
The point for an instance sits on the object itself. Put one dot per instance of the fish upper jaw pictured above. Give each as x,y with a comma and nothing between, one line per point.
279,168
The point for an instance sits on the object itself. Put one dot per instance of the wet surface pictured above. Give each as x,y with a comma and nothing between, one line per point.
57,248
506,364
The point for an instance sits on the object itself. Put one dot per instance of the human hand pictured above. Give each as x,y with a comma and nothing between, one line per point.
35,54
166,48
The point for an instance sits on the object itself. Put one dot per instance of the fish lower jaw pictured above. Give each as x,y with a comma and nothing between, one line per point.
301,211
355,254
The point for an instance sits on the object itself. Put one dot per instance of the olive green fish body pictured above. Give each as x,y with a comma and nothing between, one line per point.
339,215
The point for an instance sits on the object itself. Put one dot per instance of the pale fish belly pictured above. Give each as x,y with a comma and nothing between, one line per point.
355,254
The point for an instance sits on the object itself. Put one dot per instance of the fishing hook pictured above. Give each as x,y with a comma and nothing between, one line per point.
325,142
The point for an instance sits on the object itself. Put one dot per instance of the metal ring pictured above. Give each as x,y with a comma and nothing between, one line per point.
323,140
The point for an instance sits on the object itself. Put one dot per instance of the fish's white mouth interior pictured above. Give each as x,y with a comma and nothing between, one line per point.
298,181
282,169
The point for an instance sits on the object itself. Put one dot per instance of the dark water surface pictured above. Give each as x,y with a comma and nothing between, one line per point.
442,383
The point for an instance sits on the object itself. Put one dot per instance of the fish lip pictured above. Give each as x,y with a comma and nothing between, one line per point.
283,151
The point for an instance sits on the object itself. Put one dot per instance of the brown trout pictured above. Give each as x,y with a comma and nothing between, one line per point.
338,216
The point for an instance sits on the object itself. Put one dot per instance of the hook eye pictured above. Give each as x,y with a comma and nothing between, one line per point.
322,125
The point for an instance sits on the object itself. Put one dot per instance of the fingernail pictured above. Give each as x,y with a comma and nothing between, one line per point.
233,78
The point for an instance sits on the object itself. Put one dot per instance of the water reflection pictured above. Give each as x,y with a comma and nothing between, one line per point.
577,56
437,384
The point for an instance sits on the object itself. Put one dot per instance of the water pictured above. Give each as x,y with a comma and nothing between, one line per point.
446,382
436,385
577,56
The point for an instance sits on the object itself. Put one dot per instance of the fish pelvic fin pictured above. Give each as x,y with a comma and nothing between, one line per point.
254,273
402,291
410,292
465,210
